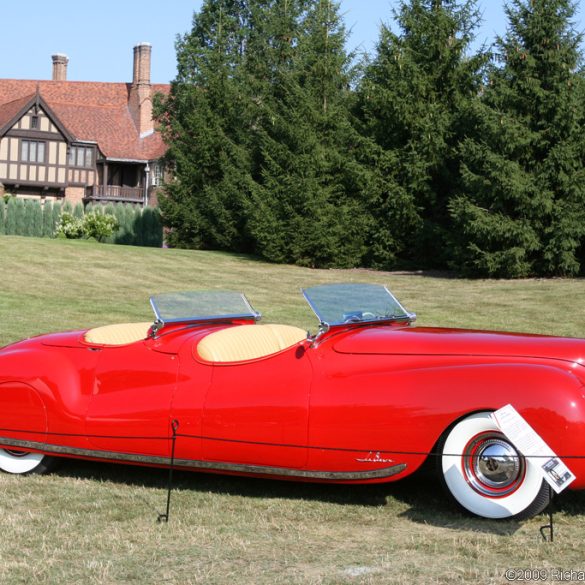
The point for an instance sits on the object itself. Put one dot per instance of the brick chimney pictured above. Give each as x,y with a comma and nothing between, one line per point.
60,67
140,100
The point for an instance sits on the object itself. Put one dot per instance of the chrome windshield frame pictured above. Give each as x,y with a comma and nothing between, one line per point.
325,325
248,314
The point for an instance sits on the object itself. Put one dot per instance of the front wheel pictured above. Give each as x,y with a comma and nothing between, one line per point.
21,462
485,474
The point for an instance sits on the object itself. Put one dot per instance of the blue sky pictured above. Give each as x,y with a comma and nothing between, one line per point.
98,37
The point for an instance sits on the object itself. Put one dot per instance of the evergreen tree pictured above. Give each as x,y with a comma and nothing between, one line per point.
78,212
129,224
521,209
28,222
56,216
11,214
203,119
121,236
48,222
137,227
311,191
67,207
151,227
109,210
147,225
37,219
157,229
412,103
20,221
2,216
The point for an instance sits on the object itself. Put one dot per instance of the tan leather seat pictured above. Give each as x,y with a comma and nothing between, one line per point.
248,342
119,334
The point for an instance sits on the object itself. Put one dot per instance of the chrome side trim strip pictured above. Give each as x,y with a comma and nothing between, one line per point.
207,465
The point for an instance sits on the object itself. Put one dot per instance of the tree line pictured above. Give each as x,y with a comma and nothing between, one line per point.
427,154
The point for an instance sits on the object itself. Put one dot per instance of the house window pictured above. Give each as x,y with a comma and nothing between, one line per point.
32,151
157,174
81,156
34,122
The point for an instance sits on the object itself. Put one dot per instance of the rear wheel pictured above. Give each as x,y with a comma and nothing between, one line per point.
485,474
21,462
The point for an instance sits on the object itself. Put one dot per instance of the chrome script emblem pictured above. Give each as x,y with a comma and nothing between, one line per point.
374,457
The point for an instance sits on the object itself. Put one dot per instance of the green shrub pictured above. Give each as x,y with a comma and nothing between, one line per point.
20,229
119,215
137,227
67,207
57,207
69,226
109,209
28,218
78,212
11,212
2,214
48,227
93,226
36,228
129,223
157,228
99,226
152,234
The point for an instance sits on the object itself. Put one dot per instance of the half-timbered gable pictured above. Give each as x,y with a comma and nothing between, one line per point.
33,149
81,140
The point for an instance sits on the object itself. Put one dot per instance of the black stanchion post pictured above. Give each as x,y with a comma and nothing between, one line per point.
174,427
550,526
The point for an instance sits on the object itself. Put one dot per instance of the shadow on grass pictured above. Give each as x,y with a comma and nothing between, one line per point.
426,502
220,484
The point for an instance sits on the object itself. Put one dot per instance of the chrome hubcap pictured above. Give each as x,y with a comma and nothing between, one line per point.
492,465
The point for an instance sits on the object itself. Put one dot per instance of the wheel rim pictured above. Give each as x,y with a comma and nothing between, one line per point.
490,491
15,461
492,466
16,453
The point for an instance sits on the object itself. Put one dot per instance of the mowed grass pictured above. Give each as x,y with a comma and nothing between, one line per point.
96,523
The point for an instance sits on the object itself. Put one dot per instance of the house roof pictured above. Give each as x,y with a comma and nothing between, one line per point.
11,109
90,111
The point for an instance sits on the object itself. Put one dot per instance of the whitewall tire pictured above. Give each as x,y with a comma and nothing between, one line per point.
485,474
21,462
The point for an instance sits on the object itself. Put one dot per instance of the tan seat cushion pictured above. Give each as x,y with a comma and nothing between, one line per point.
248,342
119,334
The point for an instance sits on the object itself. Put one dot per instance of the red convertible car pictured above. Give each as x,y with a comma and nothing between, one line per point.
368,398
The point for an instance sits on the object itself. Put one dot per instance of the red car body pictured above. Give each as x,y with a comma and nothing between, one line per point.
361,402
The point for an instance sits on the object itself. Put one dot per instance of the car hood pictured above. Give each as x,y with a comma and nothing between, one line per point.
459,342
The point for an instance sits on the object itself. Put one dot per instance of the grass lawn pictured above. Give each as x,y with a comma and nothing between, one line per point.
95,523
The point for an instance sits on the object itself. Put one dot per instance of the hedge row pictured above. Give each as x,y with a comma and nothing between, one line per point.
27,217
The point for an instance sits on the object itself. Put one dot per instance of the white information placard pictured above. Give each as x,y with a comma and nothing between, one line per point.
531,445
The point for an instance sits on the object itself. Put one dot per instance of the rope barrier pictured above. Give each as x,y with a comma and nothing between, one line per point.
164,517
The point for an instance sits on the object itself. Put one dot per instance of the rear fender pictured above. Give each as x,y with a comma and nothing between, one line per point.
62,380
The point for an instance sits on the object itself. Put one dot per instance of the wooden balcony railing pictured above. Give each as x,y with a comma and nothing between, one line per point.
115,193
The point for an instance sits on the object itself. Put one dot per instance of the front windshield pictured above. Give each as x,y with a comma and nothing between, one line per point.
337,304
201,306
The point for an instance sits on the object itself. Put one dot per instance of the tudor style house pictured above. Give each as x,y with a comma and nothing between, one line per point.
81,141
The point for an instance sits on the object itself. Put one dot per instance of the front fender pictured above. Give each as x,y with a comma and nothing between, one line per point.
404,405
